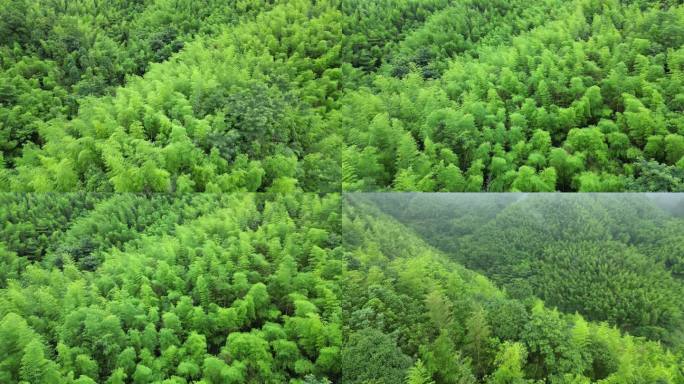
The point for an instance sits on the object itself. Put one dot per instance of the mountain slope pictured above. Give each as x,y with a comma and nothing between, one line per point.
461,327
610,257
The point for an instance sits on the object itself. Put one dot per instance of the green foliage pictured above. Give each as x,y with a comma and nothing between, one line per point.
55,54
112,113
465,330
418,374
510,361
272,288
609,257
563,96
203,125
177,96
180,289
371,356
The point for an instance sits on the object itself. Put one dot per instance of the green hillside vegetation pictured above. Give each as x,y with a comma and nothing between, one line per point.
202,120
202,289
416,304
240,108
182,96
266,288
614,258
590,102
53,54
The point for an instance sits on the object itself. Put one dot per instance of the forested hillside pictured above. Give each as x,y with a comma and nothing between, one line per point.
413,315
589,102
266,288
201,289
172,176
55,53
611,257
439,95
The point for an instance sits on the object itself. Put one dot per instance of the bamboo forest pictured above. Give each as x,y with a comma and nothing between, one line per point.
353,289
341,192
181,96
